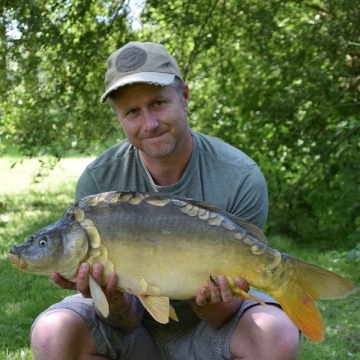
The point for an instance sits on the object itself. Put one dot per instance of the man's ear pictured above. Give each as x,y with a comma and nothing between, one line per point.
186,93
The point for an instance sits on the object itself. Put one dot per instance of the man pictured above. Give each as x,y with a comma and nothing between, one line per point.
161,153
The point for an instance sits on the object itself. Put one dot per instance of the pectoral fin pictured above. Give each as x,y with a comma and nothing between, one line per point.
99,297
158,307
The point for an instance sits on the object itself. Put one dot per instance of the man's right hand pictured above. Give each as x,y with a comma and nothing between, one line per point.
126,311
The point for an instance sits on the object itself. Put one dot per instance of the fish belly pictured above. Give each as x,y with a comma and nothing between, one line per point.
168,267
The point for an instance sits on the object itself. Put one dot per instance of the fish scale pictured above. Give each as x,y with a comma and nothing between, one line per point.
165,247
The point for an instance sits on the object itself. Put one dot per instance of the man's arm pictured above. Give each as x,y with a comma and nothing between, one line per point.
251,198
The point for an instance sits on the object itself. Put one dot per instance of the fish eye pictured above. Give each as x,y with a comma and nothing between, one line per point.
43,241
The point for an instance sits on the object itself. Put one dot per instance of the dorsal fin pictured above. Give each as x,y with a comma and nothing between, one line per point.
250,228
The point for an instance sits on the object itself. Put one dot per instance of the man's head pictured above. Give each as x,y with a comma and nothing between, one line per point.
138,62
149,97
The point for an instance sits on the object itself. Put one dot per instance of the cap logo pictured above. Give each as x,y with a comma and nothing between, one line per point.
130,59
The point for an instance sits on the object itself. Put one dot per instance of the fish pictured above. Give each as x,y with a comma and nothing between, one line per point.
164,247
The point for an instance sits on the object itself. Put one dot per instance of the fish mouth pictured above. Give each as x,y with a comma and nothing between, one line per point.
17,262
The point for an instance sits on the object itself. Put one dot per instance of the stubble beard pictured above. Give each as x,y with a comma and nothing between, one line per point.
162,152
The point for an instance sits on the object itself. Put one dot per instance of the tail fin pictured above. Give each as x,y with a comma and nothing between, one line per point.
312,282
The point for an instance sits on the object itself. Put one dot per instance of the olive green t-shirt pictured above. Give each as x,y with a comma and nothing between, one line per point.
217,173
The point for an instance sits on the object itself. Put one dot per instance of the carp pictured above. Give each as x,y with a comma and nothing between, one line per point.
165,247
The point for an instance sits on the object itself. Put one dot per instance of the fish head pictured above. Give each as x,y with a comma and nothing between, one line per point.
59,247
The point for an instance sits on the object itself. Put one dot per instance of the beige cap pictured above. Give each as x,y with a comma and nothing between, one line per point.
138,62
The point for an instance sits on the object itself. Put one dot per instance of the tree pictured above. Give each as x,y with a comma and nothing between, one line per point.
278,79
55,54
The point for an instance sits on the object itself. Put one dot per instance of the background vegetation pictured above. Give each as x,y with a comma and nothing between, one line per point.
278,79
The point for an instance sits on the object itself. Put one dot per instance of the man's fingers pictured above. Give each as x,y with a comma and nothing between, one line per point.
215,291
242,284
225,291
112,282
111,286
97,272
61,282
219,289
82,280
201,297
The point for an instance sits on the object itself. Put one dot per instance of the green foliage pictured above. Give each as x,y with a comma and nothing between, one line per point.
54,61
280,80
277,79
354,254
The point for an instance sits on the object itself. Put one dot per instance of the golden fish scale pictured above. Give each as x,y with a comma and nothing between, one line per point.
163,245
156,250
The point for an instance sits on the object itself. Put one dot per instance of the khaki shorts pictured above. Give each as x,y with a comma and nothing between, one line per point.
156,341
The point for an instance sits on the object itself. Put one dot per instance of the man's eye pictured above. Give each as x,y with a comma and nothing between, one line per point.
132,112
158,103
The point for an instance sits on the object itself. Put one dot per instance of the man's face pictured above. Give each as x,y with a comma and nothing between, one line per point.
154,118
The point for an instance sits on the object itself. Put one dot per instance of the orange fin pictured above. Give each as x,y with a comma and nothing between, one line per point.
158,307
241,293
322,283
172,313
312,282
303,312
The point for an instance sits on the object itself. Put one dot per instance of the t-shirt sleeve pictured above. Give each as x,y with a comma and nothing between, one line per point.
85,186
252,198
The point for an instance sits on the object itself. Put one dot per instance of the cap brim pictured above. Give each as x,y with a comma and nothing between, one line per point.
154,78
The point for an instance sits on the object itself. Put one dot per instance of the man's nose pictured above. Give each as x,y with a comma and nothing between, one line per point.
150,121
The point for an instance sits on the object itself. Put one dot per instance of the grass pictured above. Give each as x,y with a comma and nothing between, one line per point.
26,206
340,317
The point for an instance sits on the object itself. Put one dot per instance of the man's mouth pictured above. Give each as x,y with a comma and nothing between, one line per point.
155,136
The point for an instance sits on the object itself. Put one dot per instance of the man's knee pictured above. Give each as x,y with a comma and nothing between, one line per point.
265,331
283,337
52,324
58,331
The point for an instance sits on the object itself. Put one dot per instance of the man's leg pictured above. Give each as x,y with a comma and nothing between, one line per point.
62,334
265,332
71,330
